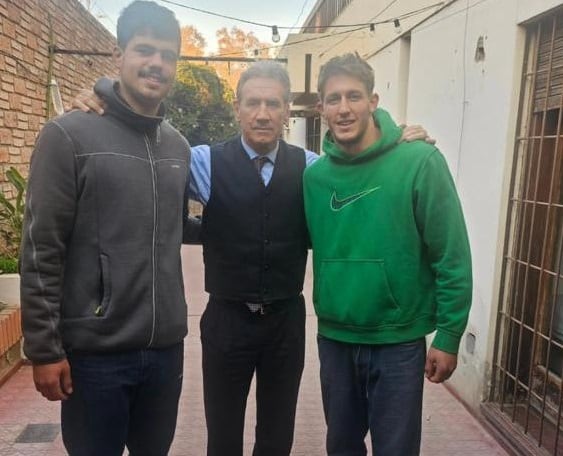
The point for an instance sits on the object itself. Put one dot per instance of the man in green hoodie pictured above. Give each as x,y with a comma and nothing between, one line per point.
392,264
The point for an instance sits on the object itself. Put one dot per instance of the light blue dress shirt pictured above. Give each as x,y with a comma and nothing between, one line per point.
200,169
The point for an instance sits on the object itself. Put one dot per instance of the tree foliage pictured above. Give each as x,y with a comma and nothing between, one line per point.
237,43
193,42
230,43
200,105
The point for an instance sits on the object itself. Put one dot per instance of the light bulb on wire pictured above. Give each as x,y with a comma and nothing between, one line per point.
275,34
398,28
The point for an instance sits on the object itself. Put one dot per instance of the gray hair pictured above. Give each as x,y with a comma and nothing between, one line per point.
266,69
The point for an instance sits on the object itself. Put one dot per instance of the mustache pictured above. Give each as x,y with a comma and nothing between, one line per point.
156,74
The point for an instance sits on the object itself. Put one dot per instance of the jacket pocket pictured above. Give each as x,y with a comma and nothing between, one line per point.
355,293
102,308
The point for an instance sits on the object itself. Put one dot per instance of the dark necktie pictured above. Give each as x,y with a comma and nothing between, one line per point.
259,163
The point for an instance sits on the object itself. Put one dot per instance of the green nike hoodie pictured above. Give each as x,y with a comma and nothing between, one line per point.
391,256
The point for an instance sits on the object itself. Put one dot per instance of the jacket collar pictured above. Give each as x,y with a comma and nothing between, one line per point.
108,90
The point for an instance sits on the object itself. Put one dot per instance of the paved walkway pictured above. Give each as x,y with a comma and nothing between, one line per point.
448,429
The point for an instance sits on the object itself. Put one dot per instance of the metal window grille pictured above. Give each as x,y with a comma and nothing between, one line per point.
525,400
314,133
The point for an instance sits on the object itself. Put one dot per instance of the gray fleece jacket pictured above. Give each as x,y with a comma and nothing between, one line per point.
100,258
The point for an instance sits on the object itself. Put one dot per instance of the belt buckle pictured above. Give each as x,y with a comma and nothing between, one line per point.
255,307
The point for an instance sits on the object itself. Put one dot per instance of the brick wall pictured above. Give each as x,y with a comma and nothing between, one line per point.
24,63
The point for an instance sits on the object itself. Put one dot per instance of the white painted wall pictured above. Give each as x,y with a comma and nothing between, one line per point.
391,69
470,108
527,9
316,44
334,41
296,131
367,11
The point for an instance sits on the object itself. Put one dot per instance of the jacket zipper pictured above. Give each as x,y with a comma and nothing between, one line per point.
151,161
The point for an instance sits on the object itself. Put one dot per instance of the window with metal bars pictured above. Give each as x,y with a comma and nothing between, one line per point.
526,389
314,133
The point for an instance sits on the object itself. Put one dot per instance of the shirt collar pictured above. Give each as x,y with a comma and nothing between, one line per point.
253,154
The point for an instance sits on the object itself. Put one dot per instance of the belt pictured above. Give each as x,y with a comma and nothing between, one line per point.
260,307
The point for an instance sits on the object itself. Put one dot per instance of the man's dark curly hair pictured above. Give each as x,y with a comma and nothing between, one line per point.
142,17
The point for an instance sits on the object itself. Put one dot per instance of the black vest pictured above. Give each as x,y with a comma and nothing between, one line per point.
254,237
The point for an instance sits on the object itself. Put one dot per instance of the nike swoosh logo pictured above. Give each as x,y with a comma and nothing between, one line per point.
339,204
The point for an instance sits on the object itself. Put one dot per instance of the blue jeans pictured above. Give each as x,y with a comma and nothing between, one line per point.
376,388
123,399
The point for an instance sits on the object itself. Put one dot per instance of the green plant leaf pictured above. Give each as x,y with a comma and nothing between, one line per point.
11,215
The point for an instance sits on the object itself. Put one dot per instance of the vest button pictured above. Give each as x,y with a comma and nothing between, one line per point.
266,267
266,241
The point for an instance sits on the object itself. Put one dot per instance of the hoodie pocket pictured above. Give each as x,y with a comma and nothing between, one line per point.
102,308
355,293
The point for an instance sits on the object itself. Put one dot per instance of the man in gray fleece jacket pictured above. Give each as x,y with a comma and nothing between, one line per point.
104,313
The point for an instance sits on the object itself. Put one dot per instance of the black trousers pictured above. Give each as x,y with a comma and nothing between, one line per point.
236,343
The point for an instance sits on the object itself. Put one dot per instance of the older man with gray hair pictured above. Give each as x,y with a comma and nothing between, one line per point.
255,249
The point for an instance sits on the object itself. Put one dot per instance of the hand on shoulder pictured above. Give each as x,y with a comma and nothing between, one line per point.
415,132
87,101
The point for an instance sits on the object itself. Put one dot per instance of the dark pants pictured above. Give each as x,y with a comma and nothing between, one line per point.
376,388
120,399
235,344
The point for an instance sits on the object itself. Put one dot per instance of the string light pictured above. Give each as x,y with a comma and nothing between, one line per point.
323,36
275,34
276,28
304,28
398,28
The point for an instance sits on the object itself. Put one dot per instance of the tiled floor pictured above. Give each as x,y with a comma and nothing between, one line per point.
448,429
